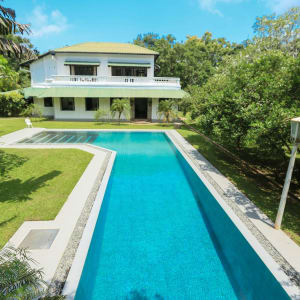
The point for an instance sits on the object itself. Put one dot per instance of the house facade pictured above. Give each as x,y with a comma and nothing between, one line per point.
74,81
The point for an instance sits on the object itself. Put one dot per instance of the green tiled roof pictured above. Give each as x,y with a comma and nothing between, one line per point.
103,92
100,47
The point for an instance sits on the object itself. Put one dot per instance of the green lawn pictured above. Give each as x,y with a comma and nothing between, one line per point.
264,194
34,184
8,125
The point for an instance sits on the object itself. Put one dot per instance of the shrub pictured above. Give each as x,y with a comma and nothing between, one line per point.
11,104
32,110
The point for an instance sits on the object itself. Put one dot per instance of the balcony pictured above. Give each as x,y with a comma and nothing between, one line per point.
110,81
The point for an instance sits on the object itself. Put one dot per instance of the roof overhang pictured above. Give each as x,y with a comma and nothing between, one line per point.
103,92
80,63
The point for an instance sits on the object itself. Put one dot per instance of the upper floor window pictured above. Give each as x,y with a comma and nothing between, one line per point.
67,103
48,102
91,104
129,71
83,70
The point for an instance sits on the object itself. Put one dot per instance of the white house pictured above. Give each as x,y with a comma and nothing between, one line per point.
74,81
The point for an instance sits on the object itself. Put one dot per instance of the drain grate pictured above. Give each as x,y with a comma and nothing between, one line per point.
39,239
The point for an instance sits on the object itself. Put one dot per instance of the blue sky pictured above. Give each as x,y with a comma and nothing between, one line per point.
56,23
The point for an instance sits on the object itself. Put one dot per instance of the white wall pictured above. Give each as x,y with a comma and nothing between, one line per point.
42,68
103,69
155,115
80,113
46,111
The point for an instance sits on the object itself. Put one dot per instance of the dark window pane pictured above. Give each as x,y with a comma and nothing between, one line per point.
129,71
91,103
85,70
48,102
67,103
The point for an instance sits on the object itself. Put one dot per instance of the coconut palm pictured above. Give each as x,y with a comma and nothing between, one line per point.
120,106
167,110
9,26
18,279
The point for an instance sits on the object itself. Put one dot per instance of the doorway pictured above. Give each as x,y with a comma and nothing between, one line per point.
141,105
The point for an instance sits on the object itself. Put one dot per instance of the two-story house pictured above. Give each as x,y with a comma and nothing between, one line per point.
74,81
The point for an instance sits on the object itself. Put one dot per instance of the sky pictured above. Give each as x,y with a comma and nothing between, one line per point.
57,23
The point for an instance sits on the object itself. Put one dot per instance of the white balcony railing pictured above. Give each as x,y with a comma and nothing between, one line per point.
112,80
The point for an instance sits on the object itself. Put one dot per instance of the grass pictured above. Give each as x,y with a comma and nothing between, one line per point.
35,183
8,125
264,194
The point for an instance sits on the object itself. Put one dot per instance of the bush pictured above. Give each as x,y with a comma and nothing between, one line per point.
33,110
11,104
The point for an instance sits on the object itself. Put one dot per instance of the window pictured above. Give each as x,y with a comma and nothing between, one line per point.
83,70
67,103
129,71
48,102
91,104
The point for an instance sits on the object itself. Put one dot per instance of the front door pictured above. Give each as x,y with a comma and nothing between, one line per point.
141,105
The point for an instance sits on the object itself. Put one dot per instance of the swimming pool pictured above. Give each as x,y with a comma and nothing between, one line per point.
160,233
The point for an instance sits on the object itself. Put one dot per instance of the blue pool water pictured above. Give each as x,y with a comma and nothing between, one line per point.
160,233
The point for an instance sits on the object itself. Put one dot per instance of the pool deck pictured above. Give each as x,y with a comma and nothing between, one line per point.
275,248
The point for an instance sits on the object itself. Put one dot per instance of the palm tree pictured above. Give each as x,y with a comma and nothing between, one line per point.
9,26
120,106
18,280
166,109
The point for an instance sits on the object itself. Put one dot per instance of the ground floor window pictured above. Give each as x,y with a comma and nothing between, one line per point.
48,102
67,103
91,104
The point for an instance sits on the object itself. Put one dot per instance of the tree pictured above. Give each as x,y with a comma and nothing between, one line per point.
248,102
100,113
18,280
167,110
280,32
193,61
8,26
9,78
120,106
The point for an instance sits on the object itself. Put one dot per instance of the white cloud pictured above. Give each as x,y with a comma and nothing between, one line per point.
211,5
43,24
281,6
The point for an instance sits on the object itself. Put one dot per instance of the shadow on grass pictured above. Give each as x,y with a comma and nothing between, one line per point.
13,190
8,162
5,222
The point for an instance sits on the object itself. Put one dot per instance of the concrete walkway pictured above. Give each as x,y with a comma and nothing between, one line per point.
46,252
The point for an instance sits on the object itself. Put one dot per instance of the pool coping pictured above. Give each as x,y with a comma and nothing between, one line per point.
279,262
283,273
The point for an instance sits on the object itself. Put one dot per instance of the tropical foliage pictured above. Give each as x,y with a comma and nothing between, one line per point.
101,113
18,280
32,110
11,104
9,26
167,110
193,61
119,107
